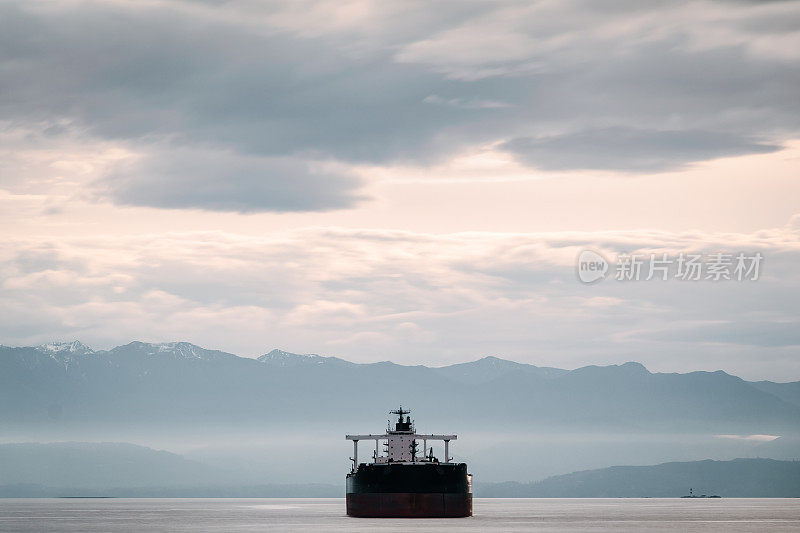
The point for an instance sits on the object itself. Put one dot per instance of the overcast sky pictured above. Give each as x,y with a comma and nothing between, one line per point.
409,181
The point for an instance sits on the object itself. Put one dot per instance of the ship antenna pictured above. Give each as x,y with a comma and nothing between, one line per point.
400,412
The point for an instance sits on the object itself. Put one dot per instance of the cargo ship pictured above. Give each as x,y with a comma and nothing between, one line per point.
403,481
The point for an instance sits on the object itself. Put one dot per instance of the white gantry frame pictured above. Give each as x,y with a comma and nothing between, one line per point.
414,436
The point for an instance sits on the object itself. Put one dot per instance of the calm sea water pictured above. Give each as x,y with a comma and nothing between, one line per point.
545,515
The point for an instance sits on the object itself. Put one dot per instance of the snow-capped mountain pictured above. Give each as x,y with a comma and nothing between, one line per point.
74,347
169,350
287,359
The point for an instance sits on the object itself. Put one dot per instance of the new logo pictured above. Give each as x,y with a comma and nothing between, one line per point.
591,266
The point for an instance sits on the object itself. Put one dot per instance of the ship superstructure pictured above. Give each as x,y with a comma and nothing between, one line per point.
406,479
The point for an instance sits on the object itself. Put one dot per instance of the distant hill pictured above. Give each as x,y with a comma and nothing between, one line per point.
107,464
126,470
179,385
742,478
490,368
788,392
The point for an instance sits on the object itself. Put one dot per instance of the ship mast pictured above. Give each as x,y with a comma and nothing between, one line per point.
402,426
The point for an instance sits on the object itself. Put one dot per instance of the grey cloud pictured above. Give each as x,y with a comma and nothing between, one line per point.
632,150
47,257
259,110
134,73
227,181
179,76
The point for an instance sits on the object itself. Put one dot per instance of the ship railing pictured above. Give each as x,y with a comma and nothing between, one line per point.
424,438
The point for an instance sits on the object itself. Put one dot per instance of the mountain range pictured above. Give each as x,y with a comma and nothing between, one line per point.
69,384
281,418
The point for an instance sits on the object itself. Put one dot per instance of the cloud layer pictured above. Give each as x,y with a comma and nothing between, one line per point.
247,107
226,181
632,150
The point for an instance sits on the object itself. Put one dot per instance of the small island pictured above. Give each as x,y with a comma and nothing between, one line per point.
693,495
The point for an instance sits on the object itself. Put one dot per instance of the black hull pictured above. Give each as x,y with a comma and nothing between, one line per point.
430,490
409,505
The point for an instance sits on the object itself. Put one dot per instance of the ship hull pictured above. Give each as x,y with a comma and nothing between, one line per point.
430,490
409,505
